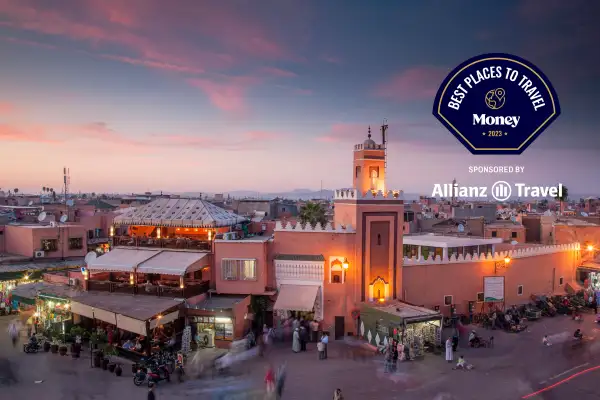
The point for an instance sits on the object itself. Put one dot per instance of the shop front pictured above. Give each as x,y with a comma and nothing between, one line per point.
99,245
217,321
417,328
53,312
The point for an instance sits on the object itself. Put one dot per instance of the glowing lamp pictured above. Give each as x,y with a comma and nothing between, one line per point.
209,235
345,264
181,285
381,300
506,260
158,233
26,277
159,316
112,231
36,314
590,248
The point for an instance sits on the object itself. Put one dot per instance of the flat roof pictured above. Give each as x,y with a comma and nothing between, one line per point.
300,257
138,307
447,241
32,290
121,260
40,266
218,302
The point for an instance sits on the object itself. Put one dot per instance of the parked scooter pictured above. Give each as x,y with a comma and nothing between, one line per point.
31,347
152,375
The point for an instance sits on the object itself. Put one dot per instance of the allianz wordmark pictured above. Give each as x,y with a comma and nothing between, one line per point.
499,191
496,104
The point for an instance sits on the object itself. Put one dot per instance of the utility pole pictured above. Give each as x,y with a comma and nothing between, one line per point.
384,128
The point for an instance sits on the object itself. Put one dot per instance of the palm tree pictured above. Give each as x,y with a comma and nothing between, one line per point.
16,190
563,198
312,213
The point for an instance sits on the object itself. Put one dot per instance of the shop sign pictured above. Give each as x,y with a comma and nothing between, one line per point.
493,289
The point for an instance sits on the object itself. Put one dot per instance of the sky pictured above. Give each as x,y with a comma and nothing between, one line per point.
271,95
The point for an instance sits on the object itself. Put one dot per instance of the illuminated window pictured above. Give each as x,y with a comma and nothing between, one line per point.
49,245
238,269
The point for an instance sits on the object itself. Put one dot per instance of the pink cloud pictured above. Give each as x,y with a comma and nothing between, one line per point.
227,94
38,134
412,84
278,73
153,64
29,43
232,34
332,60
343,132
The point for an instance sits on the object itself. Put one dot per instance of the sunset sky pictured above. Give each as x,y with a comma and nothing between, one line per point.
271,95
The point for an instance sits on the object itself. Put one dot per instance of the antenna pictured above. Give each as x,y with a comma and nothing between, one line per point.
384,128
63,219
42,216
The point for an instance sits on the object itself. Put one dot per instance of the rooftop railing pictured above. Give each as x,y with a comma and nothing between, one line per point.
184,243
191,289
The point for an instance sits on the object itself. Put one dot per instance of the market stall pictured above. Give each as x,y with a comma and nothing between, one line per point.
53,312
417,328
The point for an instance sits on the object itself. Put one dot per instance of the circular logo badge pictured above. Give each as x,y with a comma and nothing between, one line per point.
501,191
496,104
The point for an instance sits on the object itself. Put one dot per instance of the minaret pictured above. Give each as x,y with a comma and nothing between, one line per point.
369,166
453,200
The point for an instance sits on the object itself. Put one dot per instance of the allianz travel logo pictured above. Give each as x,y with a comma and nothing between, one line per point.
500,191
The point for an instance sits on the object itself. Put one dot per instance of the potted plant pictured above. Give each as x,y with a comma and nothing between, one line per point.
98,355
105,362
119,370
110,351
46,346
62,349
54,347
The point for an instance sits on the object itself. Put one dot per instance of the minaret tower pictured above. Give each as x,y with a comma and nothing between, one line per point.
369,166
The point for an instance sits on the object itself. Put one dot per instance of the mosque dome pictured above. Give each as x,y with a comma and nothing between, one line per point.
369,143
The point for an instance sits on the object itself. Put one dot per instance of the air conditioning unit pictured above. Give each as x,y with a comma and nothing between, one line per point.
206,339
73,282
39,254
230,236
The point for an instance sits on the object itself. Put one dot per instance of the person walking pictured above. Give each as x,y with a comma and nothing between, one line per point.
337,394
325,341
296,341
13,332
454,343
449,350
314,331
303,334
270,379
151,395
595,304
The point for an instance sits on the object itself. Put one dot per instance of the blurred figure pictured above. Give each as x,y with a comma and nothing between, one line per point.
546,341
151,395
270,379
337,395
296,341
13,332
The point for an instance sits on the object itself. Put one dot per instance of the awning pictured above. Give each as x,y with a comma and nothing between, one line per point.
121,260
131,325
22,300
82,309
176,263
164,320
105,316
296,297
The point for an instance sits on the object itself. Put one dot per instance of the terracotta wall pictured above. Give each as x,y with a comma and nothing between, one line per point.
428,284
505,233
582,234
241,249
19,240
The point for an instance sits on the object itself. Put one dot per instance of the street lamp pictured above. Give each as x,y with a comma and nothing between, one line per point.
345,266
590,248
503,264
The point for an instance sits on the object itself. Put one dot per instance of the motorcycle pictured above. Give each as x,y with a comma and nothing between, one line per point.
31,347
152,375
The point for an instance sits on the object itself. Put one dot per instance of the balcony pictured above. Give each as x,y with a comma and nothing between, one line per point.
192,288
183,243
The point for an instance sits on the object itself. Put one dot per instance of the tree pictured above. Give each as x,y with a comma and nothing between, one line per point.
312,213
563,198
16,190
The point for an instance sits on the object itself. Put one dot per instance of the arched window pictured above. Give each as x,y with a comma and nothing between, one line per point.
336,272
378,239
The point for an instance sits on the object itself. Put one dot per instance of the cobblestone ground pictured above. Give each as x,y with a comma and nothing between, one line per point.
517,366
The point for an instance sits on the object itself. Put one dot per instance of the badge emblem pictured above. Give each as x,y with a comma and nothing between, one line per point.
496,104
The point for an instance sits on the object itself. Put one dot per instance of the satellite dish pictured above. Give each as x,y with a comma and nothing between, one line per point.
70,202
53,224
513,218
584,214
90,257
30,203
63,219
461,228
42,216
514,242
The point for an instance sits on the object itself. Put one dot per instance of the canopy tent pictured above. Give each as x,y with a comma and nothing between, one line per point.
296,297
121,260
173,263
191,213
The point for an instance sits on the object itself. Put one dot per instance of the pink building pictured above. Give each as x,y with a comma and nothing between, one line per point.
45,241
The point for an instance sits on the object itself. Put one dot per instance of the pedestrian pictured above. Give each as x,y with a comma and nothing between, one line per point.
337,394
595,304
314,331
546,341
325,341
303,334
320,349
394,356
270,379
454,343
296,341
151,395
449,350
388,359
13,332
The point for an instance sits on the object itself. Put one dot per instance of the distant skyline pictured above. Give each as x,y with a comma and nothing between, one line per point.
270,96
